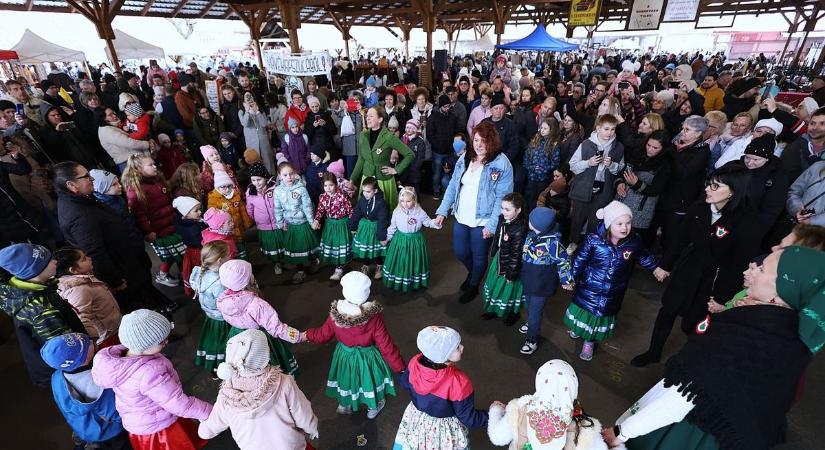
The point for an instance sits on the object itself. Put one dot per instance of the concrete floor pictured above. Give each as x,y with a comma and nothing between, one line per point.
608,384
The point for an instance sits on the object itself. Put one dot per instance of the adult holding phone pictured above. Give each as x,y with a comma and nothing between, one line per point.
63,141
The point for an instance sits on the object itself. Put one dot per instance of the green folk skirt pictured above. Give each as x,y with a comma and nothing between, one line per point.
335,241
272,244
678,436
501,297
365,243
588,326
300,244
212,343
359,376
170,249
279,352
407,264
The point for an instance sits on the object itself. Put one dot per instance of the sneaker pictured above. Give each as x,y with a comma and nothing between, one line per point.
165,279
572,248
529,348
523,329
373,413
299,277
644,359
278,269
587,351
572,335
379,273
339,272
365,269
488,316
343,410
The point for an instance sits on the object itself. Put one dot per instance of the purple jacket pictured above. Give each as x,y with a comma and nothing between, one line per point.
245,310
261,208
295,148
148,393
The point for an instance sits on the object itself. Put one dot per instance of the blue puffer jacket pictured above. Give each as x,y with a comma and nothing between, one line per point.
602,271
93,421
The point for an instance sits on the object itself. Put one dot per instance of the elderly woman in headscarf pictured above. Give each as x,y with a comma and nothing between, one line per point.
733,382
550,419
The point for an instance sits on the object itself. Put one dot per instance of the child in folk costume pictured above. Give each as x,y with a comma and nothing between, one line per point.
502,289
334,208
369,221
407,265
260,206
365,357
443,402
189,226
227,197
544,264
602,270
151,203
219,228
293,211
243,308
263,407
212,165
150,399
90,297
550,419
205,281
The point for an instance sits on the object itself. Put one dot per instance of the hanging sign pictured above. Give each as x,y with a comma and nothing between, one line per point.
584,13
681,11
645,15
299,65
212,94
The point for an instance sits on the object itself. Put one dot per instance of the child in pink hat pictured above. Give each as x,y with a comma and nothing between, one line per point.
212,164
220,228
337,168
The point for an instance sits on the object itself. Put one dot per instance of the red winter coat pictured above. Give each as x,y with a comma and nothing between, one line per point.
295,113
156,213
362,331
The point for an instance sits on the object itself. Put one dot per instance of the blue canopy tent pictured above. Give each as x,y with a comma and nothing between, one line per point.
539,40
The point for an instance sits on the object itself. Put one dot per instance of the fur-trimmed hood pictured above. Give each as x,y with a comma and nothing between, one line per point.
341,320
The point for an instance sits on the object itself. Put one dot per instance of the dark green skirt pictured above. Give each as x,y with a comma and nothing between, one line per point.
588,326
501,297
272,244
335,245
242,251
678,436
300,244
170,249
279,352
212,343
407,265
359,376
365,243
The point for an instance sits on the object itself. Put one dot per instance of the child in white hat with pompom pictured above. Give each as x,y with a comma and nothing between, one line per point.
262,406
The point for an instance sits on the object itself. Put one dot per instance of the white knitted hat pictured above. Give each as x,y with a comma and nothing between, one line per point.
247,353
184,204
222,179
356,289
771,123
613,211
438,343
142,329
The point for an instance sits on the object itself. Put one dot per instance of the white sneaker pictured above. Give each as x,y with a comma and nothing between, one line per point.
339,272
278,269
165,279
365,269
523,329
529,348
343,410
373,413
572,248
572,335
378,272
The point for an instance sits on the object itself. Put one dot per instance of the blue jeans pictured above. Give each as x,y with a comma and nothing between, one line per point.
471,249
349,165
535,312
438,173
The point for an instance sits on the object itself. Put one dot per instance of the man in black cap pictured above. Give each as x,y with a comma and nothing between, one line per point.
132,87
188,99
457,108
51,95
465,94
508,137
818,92
441,128
741,96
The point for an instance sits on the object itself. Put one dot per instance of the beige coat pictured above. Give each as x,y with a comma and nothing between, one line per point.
94,304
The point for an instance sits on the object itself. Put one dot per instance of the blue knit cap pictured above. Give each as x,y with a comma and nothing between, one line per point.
542,218
66,352
371,80
103,180
459,146
25,261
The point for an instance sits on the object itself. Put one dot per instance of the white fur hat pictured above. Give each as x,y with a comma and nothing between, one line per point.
356,289
613,211
247,353
438,343
771,123
630,66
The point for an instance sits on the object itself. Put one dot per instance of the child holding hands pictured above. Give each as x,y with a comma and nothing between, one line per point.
407,264
334,208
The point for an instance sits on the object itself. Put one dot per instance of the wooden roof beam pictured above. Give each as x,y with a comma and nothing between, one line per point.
181,4
207,8
147,7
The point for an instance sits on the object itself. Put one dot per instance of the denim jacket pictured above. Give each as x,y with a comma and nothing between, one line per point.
496,182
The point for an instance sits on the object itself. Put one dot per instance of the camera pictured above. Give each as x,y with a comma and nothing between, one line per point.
624,85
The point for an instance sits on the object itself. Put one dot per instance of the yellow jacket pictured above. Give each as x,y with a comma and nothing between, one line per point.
235,207
714,98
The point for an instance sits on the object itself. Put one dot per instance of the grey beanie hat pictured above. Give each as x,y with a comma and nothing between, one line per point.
143,329
247,353
438,343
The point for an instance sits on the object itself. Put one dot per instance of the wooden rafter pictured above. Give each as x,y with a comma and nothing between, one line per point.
147,7
181,4
207,8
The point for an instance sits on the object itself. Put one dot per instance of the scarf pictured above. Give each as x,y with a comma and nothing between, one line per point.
741,374
550,410
800,282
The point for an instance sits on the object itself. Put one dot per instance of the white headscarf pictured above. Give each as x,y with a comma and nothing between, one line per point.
550,410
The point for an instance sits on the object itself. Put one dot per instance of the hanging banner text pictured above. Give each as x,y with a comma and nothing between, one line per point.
681,11
645,15
299,65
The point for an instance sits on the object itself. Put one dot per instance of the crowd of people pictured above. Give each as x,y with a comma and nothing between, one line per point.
557,173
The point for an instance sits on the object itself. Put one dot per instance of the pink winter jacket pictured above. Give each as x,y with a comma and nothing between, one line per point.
261,208
264,412
245,310
148,393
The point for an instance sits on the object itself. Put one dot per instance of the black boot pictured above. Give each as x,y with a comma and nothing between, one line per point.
488,316
661,331
468,295
466,283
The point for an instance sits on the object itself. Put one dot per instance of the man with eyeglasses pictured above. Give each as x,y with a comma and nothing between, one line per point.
599,92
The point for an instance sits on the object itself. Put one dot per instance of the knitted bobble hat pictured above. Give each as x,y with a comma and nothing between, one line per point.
103,180
143,329
236,274
613,211
438,343
337,168
259,170
763,146
215,218
356,289
251,156
207,151
223,179
412,123
247,353
392,123
184,204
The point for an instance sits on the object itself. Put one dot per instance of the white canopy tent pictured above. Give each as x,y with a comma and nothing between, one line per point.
33,49
130,47
483,44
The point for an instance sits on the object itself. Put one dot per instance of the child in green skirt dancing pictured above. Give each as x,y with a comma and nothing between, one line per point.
365,357
293,212
206,283
408,264
243,308
260,206
369,221
334,208
502,289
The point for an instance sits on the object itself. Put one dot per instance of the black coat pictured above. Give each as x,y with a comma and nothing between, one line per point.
735,104
19,222
509,243
189,231
441,128
375,210
508,137
323,134
231,119
768,191
796,158
633,142
687,177
526,127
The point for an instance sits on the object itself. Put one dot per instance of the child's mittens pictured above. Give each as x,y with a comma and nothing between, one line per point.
292,335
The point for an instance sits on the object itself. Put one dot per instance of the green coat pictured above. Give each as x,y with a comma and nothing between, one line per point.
371,160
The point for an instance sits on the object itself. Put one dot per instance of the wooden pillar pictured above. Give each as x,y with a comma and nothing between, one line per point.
819,62
343,24
810,24
405,27
254,18
101,13
501,14
290,22
792,27
450,28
